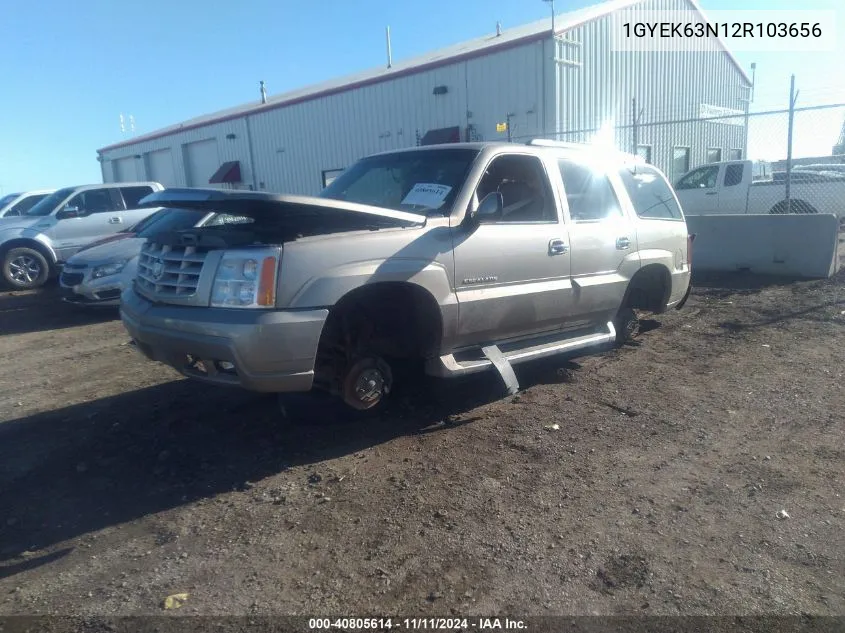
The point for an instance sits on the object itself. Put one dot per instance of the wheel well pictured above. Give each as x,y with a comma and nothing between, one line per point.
649,289
25,243
798,206
394,319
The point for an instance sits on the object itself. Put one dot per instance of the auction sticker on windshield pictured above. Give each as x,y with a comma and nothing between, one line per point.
426,194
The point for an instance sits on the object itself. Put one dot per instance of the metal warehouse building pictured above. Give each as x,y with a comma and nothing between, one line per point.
564,81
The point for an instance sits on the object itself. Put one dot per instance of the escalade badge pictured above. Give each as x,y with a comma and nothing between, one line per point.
158,269
484,279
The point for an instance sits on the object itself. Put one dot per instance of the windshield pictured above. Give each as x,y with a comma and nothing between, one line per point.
427,180
7,199
48,204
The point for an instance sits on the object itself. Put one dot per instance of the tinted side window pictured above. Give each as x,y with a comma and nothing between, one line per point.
651,194
733,175
524,186
701,178
133,195
588,193
93,201
26,204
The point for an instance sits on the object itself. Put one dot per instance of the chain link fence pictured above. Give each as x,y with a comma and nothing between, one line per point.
797,157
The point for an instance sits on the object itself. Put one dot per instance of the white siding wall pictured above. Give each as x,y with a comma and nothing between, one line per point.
666,85
292,145
161,167
236,148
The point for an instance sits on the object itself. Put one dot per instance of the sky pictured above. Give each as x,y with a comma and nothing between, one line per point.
69,69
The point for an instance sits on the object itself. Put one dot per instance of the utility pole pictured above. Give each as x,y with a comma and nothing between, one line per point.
793,97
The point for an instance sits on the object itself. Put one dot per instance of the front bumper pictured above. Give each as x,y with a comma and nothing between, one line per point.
269,351
81,289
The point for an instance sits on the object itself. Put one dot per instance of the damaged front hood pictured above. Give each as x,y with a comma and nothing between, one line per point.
285,207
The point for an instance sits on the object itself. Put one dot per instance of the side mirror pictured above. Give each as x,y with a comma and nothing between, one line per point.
68,212
489,209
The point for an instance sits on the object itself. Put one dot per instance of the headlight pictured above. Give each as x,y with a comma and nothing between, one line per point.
246,279
108,269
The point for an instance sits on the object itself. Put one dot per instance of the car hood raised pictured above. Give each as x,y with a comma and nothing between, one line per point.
113,251
255,205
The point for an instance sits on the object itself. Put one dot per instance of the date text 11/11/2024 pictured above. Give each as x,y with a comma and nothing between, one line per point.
415,624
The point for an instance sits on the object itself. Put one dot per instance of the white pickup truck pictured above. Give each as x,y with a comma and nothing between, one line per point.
731,187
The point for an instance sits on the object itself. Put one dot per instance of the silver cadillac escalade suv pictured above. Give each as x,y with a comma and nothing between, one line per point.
465,257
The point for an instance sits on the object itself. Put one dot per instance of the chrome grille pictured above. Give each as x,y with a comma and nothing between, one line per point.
169,271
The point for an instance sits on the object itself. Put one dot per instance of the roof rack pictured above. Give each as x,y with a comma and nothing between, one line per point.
544,142
626,157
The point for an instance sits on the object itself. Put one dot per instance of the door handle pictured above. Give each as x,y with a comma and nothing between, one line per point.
557,247
115,220
710,193
623,243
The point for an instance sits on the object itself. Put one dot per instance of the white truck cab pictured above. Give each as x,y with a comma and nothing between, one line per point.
746,186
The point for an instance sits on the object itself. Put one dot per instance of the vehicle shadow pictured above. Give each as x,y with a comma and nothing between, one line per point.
78,469
43,309
737,283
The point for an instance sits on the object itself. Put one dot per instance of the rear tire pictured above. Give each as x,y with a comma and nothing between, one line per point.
627,325
795,207
25,268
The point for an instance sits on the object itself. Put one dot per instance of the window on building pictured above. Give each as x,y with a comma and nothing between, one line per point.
132,195
733,174
526,193
701,178
651,194
735,154
329,175
680,162
589,193
644,152
714,154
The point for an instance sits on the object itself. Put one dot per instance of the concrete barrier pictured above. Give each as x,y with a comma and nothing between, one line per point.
789,245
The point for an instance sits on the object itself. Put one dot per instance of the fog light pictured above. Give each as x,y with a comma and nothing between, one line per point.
226,365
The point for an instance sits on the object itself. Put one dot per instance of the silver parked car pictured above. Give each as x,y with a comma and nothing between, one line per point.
15,204
96,275
35,245
466,256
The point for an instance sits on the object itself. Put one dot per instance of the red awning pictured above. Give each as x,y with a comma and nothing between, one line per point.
229,172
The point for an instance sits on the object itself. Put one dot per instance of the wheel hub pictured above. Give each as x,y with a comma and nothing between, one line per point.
367,382
369,385
24,269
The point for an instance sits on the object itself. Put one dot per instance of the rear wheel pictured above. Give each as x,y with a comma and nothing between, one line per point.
794,206
627,325
25,268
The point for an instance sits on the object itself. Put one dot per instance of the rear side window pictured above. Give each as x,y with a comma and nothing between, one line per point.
588,193
650,193
132,195
733,175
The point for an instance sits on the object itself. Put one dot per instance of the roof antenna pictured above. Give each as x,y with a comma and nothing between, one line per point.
263,92
498,29
389,53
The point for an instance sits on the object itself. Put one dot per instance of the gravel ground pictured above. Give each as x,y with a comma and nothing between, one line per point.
698,471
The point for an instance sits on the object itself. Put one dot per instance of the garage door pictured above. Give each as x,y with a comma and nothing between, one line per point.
124,170
161,167
201,161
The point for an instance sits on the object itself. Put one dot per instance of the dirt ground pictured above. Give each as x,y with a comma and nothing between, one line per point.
699,471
